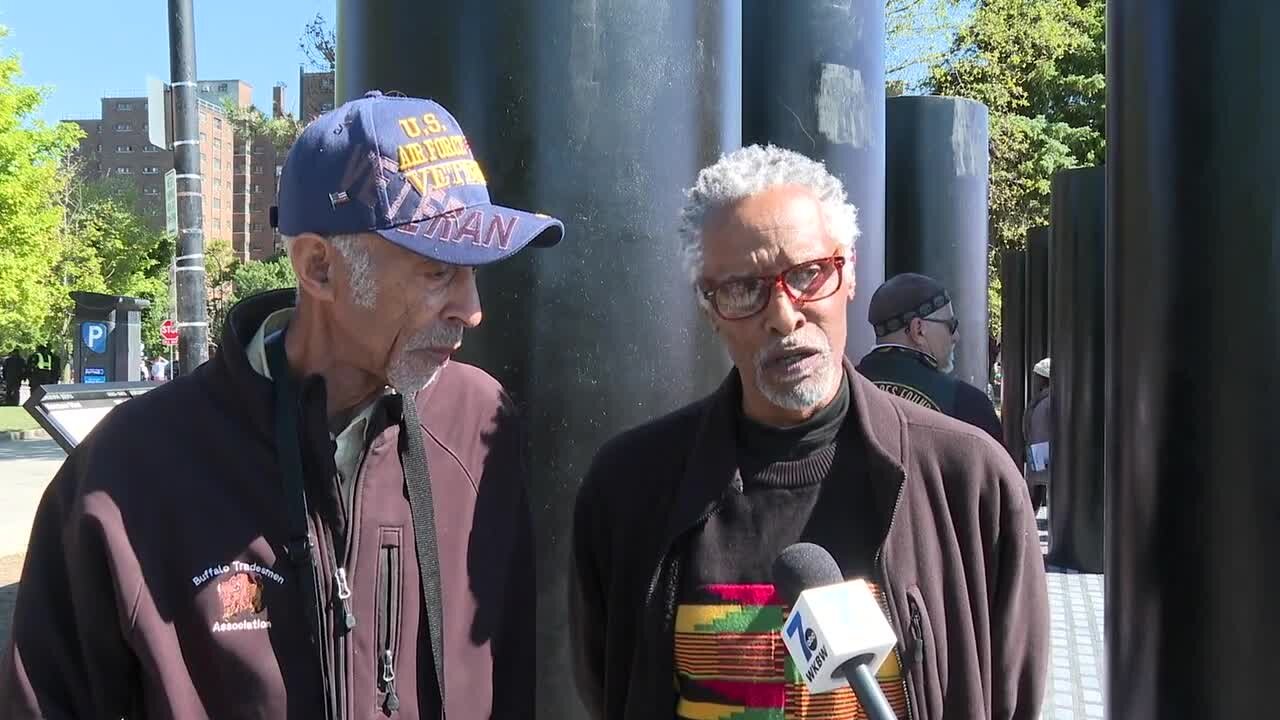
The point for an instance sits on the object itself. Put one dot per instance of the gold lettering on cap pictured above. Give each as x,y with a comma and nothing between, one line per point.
410,127
411,156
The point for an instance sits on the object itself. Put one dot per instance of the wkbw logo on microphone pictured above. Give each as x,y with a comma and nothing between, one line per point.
800,634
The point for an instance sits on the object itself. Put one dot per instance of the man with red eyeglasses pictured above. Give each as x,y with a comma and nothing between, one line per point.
916,335
678,521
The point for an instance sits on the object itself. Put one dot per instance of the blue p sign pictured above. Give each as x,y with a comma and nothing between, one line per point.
94,335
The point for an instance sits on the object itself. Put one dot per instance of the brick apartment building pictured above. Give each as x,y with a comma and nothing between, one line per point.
315,94
117,146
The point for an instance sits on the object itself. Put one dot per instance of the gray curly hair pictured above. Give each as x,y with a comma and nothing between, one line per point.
752,170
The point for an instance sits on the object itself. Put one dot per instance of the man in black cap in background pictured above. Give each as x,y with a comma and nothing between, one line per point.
916,336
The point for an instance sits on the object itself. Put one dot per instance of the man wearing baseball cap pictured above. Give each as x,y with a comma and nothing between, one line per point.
335,526
916,335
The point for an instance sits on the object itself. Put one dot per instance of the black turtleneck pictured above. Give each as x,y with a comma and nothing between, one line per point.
805,483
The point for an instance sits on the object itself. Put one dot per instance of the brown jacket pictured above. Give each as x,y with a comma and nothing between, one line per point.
961,560
156,585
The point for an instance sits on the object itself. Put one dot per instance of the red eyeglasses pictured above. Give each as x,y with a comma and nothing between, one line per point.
805,282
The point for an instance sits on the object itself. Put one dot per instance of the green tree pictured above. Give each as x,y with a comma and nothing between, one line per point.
916,34
108,246
258,276
31,184
220,263
1038,66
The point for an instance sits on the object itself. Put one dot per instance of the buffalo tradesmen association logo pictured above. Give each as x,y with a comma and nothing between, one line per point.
908,393
239,587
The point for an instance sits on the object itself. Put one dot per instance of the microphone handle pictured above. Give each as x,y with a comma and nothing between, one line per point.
868,690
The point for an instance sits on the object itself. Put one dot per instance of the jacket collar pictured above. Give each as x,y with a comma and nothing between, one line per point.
711,468
251,392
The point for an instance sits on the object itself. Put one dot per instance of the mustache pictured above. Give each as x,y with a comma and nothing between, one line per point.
808,341
439,335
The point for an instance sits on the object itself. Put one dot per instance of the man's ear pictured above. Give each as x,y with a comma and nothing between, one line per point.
314,262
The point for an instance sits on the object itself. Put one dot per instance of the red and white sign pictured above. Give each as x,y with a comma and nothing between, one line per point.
169,332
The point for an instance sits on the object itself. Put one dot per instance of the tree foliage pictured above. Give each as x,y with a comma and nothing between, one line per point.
256,276
107,246
912,32
319,44
1039,67
31,183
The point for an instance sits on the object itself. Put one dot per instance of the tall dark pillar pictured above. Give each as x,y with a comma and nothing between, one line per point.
599,114
936,210
1037,299
813,82
1013,348
1193,157
1078,240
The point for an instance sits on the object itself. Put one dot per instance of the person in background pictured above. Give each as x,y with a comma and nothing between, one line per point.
916,336
159,369
1038,431
15,369
40,367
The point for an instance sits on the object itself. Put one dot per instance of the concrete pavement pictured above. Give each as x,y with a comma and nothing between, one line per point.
26,467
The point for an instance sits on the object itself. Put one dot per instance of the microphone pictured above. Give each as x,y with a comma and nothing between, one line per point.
836,632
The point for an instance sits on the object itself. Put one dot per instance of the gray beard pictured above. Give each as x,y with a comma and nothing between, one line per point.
410,371
809,392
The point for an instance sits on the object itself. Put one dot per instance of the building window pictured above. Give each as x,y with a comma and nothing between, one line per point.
124,127
203,137
255,227
124,148
124,171
151,191
217,163
258,150
217,204
124,107
99,148
150,148
257,188
257,170
217,144
217,122
150,171
222,87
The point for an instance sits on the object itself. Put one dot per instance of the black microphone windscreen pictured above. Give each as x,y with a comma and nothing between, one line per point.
803,566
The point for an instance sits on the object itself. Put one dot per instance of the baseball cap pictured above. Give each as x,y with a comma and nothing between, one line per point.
903,298
401,167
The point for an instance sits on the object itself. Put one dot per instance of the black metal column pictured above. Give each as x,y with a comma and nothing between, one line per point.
936,162
598,113
1193,157
193,319
1037,318
813,82
1078,231
1013,348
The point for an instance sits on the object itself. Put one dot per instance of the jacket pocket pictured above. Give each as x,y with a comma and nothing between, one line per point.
389,597
919,659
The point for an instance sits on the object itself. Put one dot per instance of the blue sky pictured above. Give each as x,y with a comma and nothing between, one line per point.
87,49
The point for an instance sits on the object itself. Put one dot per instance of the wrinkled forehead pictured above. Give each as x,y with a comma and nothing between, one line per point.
764,233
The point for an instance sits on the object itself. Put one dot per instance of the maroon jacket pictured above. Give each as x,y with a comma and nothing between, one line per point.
156,584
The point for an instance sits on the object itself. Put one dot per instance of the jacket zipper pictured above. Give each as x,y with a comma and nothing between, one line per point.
344,620
917,632
908,673
388,614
